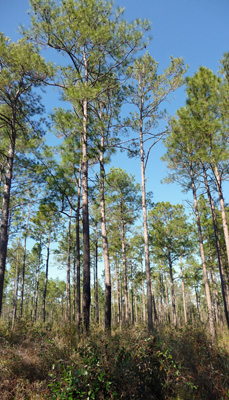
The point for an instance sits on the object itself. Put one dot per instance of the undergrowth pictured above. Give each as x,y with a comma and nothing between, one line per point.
53,362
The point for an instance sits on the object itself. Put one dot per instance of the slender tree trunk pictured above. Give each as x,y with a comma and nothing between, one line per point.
146,236
15,296
96,279
154,305
74,289
86,234
197,304
118,291
183,292
223,211
132,294
136,304
206,282
124,267
172,292
16,282
46,277
217,305
68,278
217,244
5,214
37,283
144,212
167,300
78,294
23,265
143,296
105,240
162,298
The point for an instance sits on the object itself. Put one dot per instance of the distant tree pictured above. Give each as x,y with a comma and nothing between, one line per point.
22,69
123,198
146,92
170,238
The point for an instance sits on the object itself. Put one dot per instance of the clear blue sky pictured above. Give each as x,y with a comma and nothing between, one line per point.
197,30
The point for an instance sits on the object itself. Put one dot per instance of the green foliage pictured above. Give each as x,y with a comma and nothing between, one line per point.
53,362
111,368
169,231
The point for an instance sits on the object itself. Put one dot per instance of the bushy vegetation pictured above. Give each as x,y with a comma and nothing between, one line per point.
44,362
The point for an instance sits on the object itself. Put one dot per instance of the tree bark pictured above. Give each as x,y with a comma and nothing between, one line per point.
183,292
46,277
96,280
172,292
86,234
5,214
143,296
223,211
105,239
146,236
217,244
68,278
78,296
167,301
16,281
118,291
37,283
206,282
136,305
124,266
23,265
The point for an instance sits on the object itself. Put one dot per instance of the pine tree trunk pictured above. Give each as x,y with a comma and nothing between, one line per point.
74,289
143,296
197,304
15,296
154,305
132,294
96,280
124,266
105,240
206,282
172,292
16,283
136,305
217,244
183,292
217,304
78,294
167,301
223,211
86,300
162,298
68,278
118,291
37,285
46,277
146,236
23,265
121,308
5,214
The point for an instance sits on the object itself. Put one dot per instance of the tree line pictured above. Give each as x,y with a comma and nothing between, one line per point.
66,194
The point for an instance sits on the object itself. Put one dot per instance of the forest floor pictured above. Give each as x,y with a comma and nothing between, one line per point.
44,362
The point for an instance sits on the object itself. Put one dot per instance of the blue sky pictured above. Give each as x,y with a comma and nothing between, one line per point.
197,30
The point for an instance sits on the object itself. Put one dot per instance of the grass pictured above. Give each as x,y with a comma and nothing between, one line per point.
44,362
